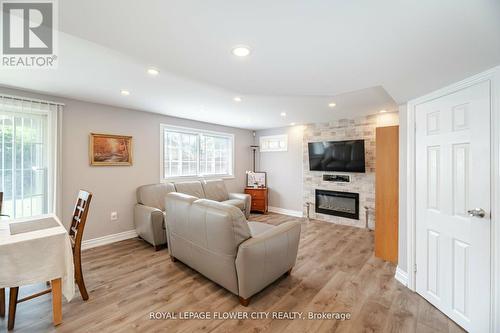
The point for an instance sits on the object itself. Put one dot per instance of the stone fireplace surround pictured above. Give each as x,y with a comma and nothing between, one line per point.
362,183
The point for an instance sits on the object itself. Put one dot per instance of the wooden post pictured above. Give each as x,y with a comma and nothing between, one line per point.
387,193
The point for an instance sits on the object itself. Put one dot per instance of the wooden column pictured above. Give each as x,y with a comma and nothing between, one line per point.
387,193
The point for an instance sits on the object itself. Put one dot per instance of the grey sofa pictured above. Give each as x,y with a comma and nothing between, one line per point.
149,212
216,240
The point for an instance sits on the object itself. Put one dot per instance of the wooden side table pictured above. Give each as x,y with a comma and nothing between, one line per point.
259,199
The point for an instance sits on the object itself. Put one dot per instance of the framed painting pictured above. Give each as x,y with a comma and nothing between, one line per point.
256,179
108,149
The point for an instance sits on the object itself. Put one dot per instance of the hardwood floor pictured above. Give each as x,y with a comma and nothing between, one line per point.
335,272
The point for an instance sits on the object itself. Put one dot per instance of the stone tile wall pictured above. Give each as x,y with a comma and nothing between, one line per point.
362,183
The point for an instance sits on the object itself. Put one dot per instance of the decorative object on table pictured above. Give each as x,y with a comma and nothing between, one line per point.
259,199
108,149
254,150
78,220
256,179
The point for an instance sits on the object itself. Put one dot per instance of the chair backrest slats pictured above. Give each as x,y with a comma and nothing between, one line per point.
79,218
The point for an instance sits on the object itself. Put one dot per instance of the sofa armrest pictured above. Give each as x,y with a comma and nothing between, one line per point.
149,224
264,258
247,199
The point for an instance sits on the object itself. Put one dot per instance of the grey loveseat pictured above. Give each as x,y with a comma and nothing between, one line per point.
216,240
149,212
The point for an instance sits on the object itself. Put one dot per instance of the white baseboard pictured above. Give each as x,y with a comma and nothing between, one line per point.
401,276
100,241
296,213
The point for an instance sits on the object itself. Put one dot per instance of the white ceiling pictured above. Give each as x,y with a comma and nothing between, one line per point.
365,55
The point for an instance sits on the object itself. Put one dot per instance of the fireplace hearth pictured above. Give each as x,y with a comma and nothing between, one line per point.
343,204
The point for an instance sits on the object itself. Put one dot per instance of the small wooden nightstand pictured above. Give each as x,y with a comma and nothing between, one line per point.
259,199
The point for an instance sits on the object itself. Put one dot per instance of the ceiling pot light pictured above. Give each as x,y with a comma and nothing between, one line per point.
241,51
124,92
237,99
292,124
332,105
153,71
382,111
283,114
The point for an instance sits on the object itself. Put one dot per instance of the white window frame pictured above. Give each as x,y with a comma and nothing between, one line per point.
269,138
197,131
51,140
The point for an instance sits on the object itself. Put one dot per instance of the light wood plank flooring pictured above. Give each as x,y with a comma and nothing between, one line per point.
335,271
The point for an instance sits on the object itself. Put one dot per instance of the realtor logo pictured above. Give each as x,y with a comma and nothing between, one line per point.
28,34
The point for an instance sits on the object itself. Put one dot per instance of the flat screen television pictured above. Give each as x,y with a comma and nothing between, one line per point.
345,156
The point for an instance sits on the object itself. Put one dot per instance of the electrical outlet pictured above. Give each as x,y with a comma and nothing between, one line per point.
114,216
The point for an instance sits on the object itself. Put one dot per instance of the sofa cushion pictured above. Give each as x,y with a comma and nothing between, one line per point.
258,227
154,195
235,202
191,188
215,189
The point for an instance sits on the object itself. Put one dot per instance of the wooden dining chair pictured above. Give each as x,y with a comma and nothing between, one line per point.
76,235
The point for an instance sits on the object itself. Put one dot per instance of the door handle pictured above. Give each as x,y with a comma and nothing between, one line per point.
477,212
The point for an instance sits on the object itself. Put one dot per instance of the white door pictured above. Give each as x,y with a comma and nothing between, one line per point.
453,183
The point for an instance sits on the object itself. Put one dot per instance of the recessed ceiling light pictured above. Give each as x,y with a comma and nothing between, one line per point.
283,114
153,71
383,111
237,99
241,51
124,92
332,105
292,124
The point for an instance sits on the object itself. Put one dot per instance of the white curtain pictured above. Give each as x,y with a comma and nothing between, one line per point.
30,146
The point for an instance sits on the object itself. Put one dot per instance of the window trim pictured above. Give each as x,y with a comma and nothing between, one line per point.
198,131
279,137
49,164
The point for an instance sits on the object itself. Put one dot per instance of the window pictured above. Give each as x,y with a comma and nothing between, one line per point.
24,158
189,152
274,143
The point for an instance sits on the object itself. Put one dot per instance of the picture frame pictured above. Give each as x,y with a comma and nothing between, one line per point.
110,150
256,179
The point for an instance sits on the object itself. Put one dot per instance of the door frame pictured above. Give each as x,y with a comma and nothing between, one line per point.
492,75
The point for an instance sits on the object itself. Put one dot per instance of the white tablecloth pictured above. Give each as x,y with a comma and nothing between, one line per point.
36,256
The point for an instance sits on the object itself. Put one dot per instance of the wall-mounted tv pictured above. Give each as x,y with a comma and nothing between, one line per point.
345,156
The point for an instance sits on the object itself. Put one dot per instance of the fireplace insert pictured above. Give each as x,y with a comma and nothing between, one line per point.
343,204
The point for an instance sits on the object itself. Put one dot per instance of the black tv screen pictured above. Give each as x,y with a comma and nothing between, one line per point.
346,156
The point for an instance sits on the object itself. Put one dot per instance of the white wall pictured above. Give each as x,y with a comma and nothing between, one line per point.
114,187
284,169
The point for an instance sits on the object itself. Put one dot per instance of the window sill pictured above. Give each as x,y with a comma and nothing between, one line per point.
194,178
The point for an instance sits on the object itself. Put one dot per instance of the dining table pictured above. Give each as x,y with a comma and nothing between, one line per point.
36,250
